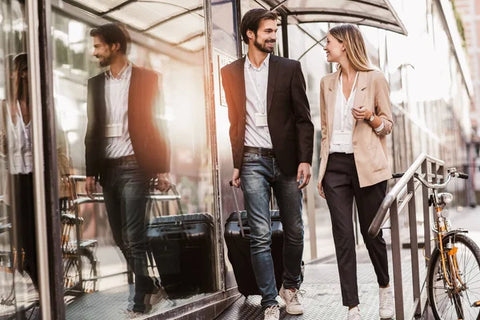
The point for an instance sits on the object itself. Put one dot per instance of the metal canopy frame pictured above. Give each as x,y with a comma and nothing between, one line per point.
373,13
186,42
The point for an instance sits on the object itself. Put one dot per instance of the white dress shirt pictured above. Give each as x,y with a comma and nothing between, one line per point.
343,120
19,140
256,82
116,113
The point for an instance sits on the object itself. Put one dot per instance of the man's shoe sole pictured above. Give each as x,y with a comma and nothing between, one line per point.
294,313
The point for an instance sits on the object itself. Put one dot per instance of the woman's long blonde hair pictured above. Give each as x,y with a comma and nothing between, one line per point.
352,39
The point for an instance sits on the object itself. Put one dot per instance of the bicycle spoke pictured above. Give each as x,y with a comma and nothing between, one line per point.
456,302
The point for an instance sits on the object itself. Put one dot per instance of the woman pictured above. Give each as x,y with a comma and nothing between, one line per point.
355,118
20,165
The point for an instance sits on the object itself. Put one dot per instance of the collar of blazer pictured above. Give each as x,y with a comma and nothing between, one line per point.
331,86
239,81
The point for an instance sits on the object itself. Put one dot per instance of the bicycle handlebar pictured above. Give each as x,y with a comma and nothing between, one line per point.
462,175
451,174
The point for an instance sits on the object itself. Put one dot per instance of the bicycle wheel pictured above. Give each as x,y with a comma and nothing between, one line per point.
89,270
446,302
71,272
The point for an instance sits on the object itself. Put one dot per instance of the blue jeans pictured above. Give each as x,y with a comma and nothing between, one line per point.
259,175
124,191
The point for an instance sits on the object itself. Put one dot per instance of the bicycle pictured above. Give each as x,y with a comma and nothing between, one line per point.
79,261
78,255
453,274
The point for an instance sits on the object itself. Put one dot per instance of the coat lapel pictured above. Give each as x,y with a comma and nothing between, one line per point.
330,99
272,76
239,84
132,88
100,103
359,99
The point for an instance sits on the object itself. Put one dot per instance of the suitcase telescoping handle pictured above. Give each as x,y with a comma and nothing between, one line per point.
237,207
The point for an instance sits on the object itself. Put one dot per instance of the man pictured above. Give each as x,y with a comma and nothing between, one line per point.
272,144
124,148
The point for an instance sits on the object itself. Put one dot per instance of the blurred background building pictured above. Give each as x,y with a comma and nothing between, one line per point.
467,14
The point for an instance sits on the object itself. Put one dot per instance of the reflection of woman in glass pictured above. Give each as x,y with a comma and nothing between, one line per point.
19,148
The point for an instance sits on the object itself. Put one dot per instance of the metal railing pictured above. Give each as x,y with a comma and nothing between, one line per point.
400,198
82,198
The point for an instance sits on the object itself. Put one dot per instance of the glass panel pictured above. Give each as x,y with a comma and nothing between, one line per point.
182,257
18,265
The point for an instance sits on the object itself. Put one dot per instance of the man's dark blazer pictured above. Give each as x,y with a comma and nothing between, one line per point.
288,112
148,136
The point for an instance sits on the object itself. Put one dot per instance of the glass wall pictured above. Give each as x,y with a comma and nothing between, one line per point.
18,257
180,229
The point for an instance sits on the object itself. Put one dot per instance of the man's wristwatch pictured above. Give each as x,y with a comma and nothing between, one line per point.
371,117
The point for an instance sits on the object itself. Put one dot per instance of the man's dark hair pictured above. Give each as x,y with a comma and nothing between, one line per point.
112,33
251,20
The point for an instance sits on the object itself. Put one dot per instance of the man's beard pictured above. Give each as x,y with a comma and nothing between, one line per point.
262,47
105,62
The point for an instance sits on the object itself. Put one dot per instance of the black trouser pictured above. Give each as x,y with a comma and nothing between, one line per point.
340,185
24,225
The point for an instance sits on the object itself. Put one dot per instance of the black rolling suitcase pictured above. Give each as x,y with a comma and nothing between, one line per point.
182,248
238,246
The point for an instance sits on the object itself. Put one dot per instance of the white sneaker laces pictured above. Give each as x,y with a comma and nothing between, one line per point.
271,311
295,296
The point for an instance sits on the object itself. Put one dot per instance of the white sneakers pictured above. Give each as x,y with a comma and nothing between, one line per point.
272,313
354,314
292,300
386,310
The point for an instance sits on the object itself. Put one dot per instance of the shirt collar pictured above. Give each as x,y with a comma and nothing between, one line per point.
122,75
264,64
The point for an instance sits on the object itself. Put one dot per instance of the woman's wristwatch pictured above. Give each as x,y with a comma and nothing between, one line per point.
372,117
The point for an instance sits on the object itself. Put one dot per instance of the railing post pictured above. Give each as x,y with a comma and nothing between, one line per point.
412,214
426,216
434,172
397,261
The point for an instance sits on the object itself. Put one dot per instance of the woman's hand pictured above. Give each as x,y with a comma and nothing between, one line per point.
320,190
361,113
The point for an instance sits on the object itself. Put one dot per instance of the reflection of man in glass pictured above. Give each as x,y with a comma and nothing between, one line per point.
124,149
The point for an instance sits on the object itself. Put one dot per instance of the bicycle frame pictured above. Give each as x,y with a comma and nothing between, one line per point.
448,256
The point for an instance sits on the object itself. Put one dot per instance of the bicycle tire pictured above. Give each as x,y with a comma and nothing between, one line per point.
71,272
89,270
445,303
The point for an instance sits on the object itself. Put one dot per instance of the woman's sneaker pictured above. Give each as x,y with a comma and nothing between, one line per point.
292,300
354,314
386,310
272,313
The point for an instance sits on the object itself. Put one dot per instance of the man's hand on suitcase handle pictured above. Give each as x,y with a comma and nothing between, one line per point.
162,182
235,178
303,174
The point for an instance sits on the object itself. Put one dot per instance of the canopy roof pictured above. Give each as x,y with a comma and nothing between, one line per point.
177,22
374,13
180,23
